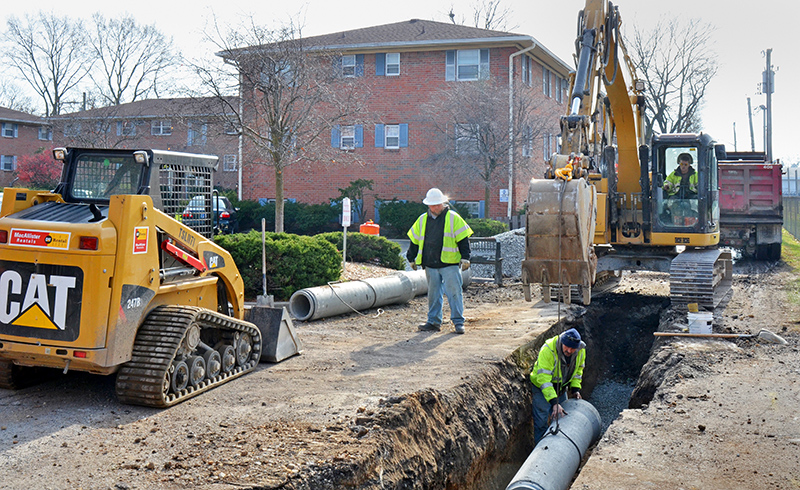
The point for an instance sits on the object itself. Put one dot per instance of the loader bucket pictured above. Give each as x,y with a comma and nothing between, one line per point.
558,237
278,336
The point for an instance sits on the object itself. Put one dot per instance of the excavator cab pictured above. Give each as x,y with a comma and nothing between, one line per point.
685,198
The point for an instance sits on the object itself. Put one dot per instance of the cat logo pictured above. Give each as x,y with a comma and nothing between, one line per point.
47,299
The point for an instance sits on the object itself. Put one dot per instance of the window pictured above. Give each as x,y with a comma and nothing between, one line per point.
161,127
391,136
45,133
474,208
527,70
72,129
467,64
126,128
196,134
560,89
549,145
546,74
392,64
8,162
467,138
347,137
527,142
9,130
229,163
230,128
352,65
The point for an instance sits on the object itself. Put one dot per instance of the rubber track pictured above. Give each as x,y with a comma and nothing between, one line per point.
8,379
140,380
700,276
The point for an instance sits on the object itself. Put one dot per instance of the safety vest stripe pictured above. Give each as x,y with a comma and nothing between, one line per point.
544,371
547,385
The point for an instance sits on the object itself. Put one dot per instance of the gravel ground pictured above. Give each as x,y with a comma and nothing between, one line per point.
512,249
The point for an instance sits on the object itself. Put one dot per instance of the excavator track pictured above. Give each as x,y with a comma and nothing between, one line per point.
700,276
182,351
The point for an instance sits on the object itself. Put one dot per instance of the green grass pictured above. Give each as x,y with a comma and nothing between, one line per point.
790,254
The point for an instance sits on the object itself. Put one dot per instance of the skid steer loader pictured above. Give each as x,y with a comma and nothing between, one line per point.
101,276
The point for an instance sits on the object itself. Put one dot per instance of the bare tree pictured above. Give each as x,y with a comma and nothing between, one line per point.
676,63
486,14
131,59
12,97
474,129
290,97
51,53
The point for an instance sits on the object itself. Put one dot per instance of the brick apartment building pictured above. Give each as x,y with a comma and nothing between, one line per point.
20,134
180,124
404,67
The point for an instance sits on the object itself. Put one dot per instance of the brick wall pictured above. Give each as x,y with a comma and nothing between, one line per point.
401,173
26,142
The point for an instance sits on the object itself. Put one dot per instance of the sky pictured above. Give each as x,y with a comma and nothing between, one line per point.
742,34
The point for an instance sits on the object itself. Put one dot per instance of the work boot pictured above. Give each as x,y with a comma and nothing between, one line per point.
460,329
430,327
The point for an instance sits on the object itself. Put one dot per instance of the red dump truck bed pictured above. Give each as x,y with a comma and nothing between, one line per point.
751,211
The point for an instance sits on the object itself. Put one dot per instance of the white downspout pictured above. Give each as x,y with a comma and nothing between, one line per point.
511,127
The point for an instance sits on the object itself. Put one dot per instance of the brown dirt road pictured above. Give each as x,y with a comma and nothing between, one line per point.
373,403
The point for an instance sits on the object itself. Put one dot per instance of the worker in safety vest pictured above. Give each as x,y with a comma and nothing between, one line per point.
440,244
558,368
682,183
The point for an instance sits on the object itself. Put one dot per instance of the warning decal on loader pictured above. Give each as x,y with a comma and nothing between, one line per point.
40,300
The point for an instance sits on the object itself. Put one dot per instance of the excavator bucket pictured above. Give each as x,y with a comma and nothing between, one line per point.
278,336
558,239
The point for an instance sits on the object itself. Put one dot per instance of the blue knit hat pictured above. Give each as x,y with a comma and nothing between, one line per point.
571,338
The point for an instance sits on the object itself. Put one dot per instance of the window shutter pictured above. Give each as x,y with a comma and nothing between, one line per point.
379,136
380,64
450,66
482,209
359,136
359,65
483,71
335,136
403,135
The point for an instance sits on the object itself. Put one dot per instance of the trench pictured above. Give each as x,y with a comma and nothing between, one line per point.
618,331
478,435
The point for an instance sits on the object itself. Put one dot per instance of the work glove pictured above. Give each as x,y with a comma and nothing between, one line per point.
414,265
464,264
668,186
693,187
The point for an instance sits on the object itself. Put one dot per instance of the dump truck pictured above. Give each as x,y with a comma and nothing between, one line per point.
100,276
751,206
610,200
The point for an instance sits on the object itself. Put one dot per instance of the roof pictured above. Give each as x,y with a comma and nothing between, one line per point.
152,108
10,115
417,35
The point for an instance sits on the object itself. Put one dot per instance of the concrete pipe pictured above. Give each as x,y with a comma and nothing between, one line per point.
344,297
554,461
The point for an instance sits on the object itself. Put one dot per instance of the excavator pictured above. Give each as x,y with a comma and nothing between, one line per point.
610,201
101,276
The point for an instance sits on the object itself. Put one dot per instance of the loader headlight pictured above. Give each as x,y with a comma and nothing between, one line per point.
140,156
60,154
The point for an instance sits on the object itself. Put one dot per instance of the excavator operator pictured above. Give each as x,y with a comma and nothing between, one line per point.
682,183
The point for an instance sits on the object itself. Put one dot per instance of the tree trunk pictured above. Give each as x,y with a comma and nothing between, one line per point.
278,200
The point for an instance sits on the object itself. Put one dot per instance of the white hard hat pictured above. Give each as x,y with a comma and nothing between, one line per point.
434,197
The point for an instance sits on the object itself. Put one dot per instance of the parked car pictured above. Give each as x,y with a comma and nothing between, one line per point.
195,215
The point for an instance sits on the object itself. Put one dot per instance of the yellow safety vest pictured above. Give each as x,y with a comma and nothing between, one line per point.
548,374
455,230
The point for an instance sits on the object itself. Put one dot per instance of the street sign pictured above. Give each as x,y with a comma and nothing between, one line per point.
346,212
503,195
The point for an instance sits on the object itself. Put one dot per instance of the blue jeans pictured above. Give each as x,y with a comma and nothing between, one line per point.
541,410
445,281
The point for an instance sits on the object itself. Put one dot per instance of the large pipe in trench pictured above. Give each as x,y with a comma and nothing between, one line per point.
555,459
345,297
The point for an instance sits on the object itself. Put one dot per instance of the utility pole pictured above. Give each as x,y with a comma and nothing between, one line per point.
768,87
750,118
735,148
